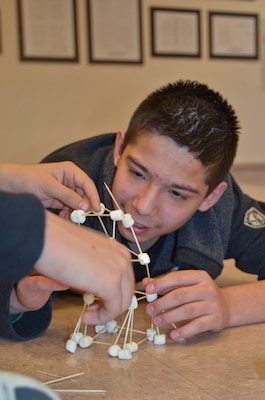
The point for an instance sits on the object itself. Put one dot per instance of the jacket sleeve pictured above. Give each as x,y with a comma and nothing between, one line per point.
22,222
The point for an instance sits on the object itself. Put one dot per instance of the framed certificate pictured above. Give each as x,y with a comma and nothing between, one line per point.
175,32
115,31
47,30
233,35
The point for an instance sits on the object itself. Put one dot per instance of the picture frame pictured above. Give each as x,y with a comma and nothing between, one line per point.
0,32
115,31
47,30
233,35
175,32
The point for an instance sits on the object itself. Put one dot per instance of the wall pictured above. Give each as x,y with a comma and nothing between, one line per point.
46,105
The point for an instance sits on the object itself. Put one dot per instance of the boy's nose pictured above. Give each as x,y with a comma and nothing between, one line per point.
146,202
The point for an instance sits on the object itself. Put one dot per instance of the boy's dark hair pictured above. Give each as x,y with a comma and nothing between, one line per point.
196,118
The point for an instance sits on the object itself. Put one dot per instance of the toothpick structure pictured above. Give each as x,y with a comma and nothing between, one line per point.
125,349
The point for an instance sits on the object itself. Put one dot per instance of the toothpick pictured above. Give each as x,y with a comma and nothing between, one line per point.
47,373
111,195
132,230
141,298
141,341
139,292
79,322
123,324
103,226
113,229
128,327
63,378
80,391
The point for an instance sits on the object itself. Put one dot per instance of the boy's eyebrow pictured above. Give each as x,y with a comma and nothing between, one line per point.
186,188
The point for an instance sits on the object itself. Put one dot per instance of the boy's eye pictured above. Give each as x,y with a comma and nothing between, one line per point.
136,173
177,195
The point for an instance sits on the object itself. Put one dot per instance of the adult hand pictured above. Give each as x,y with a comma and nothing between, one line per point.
190,296
61,185
32,293
88,261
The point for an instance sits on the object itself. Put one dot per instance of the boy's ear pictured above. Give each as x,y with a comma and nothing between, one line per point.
118,146
213,197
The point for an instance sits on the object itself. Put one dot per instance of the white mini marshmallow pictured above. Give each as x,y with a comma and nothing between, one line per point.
134,303
71,346
124,354
102,209
112,326
76,336
116,215
100,329
150,333
143,258
160,339
114,350
151,297
127,221
85,341
78,216
132,346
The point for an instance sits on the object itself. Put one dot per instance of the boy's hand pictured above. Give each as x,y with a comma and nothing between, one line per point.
32,293
190,296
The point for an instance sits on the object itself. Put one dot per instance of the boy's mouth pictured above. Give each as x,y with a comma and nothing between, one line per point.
140,229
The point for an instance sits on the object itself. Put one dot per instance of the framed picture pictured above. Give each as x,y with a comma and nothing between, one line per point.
47,30
115,31
0,33
233,35
175,32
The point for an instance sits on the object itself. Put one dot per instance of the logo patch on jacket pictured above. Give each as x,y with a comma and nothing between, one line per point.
254,219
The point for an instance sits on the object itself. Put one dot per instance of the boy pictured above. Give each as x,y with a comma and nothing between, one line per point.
170,171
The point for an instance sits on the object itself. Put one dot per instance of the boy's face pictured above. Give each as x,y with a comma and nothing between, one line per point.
160,184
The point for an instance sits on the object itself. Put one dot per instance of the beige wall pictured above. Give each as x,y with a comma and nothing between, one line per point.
46,105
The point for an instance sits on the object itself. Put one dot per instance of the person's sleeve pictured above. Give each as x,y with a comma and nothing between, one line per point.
28,325
22,224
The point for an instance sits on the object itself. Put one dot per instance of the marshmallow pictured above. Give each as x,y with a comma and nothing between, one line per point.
85,341
132,346
160,339
76,336
78,216
116,215
100,329
151,297
150,333
102,209
127,221
111,326
71,346
134,303
124,354
114,350
143,258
